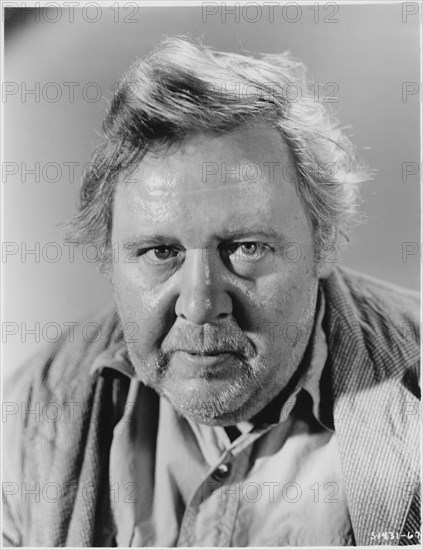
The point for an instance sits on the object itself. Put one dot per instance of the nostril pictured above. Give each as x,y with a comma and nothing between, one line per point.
222,315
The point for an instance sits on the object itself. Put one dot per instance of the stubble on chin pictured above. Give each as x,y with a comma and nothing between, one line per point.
215,406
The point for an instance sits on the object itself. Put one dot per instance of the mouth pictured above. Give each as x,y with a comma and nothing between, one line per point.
204,359
207,352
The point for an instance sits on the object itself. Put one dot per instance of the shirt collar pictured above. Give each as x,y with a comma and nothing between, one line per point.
310,380
114,357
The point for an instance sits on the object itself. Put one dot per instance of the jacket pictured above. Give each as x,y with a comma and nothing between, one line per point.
371,379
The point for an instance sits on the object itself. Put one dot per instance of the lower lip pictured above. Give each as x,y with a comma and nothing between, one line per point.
195,363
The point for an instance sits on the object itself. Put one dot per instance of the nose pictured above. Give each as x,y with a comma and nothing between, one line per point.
203,297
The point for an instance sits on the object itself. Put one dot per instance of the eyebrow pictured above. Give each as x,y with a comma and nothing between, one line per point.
261,231
257,231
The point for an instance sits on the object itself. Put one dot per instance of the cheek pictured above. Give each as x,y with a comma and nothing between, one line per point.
147,309
288,299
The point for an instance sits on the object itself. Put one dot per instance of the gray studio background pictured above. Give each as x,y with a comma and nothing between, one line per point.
369,53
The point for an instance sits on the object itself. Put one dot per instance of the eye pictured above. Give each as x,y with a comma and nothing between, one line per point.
249,249
246,251
158,254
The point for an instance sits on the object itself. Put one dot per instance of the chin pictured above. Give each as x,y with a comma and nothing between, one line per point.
216,397
211,407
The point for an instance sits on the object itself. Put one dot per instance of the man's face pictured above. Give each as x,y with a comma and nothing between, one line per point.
218,274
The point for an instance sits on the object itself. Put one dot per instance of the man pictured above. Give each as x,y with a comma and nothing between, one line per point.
247,391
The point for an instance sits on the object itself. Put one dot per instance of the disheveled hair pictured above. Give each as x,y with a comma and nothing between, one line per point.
185,88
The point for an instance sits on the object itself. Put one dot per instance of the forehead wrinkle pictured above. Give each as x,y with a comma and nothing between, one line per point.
160,185
169,212
170,194
163,194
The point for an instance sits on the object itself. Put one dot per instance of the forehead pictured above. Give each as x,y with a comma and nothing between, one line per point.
241,156
245,175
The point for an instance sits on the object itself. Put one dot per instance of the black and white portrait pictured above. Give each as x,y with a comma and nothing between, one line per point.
210,254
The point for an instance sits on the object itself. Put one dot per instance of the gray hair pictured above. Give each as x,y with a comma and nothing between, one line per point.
180,90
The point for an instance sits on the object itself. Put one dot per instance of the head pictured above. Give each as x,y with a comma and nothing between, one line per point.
220,191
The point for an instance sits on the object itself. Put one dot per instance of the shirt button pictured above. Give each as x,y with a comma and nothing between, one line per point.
221,472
